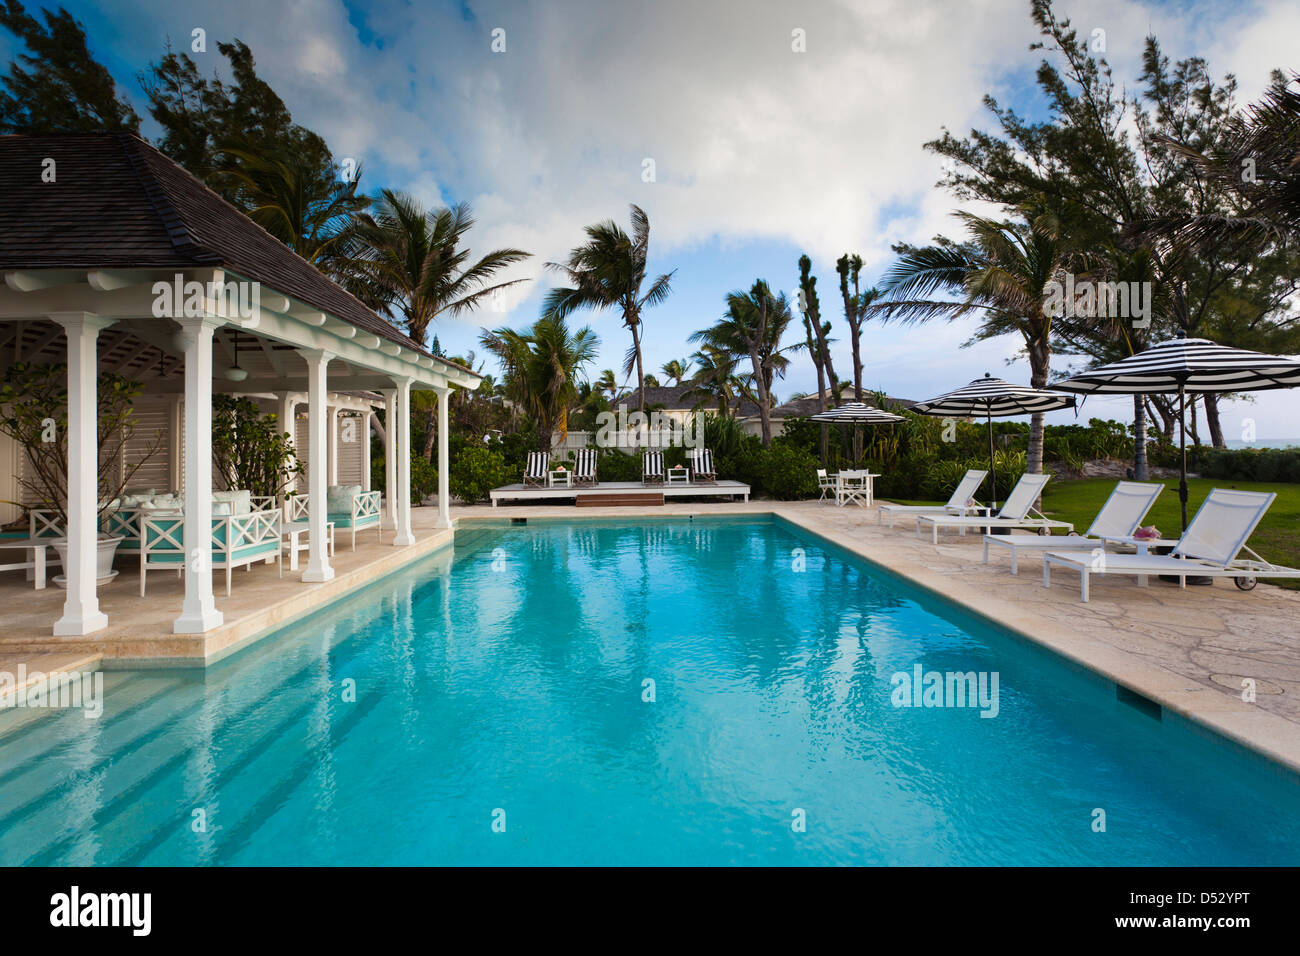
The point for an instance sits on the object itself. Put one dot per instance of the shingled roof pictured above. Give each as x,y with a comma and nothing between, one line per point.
118,203
680,398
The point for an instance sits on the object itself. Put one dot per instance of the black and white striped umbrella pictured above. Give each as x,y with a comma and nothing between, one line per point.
993,398
857,413
1183,365
1193,365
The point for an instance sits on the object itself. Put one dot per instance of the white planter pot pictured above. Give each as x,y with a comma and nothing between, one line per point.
106,549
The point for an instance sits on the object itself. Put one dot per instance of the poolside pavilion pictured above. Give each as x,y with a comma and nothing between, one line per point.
115,259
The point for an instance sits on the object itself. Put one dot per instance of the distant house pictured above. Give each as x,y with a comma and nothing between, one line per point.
680,402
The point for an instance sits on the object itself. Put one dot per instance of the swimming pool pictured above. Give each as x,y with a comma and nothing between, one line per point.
676,691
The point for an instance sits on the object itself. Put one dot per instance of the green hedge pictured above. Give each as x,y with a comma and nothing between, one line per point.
1249,464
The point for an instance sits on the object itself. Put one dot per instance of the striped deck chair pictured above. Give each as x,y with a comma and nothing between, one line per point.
702,466
652,468
539,462
584,467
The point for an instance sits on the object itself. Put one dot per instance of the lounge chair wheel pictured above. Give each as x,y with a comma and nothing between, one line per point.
1245,583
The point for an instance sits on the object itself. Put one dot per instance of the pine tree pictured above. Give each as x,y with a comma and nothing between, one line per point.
57,87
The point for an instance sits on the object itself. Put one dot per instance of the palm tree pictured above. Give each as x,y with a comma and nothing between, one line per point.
715,379
677,370
411,265
1002,272
314,215
542,366
753,325
608,384
608,270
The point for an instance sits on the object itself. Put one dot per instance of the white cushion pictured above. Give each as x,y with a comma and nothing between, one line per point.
338,498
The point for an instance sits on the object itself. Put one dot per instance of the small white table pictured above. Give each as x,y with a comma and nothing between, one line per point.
36,566
299,539
677,476
859,488
559,479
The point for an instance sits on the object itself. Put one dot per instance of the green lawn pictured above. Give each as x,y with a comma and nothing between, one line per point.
1277,538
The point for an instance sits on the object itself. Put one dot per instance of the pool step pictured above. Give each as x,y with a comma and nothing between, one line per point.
123,792
628,500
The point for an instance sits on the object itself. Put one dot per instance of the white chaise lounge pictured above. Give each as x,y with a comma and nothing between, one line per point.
1208,548
956,505
1119,517
1014,514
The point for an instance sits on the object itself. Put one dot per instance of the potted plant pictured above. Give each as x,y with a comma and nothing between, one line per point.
251,450
34,412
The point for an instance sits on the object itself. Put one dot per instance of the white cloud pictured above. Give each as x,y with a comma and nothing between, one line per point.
751,141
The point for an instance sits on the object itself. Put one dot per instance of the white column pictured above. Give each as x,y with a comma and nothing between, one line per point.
444,495
287,409
81,613
334,444
318,563
176,434
366,416
403,463
390,456
198,611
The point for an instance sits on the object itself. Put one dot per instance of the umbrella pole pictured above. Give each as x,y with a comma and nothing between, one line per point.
993,465
1182,449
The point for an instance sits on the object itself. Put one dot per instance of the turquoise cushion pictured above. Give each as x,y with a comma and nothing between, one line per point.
248,551
345,520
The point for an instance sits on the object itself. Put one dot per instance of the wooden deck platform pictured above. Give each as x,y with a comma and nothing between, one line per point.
615,490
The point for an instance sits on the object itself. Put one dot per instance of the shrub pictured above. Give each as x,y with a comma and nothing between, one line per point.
614,465
475,472
424,479
788,473
942,478
1249,464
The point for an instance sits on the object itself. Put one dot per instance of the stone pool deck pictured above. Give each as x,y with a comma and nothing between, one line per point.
1189,650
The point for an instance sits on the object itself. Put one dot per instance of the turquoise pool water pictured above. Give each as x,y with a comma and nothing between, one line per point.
507,686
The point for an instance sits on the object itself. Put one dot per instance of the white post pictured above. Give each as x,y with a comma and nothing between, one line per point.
403,420
81,613
318,563
334,444
176,437
390,455
444,495
287,410
198,610
366,416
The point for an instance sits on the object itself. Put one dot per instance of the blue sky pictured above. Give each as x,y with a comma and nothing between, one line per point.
761,152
